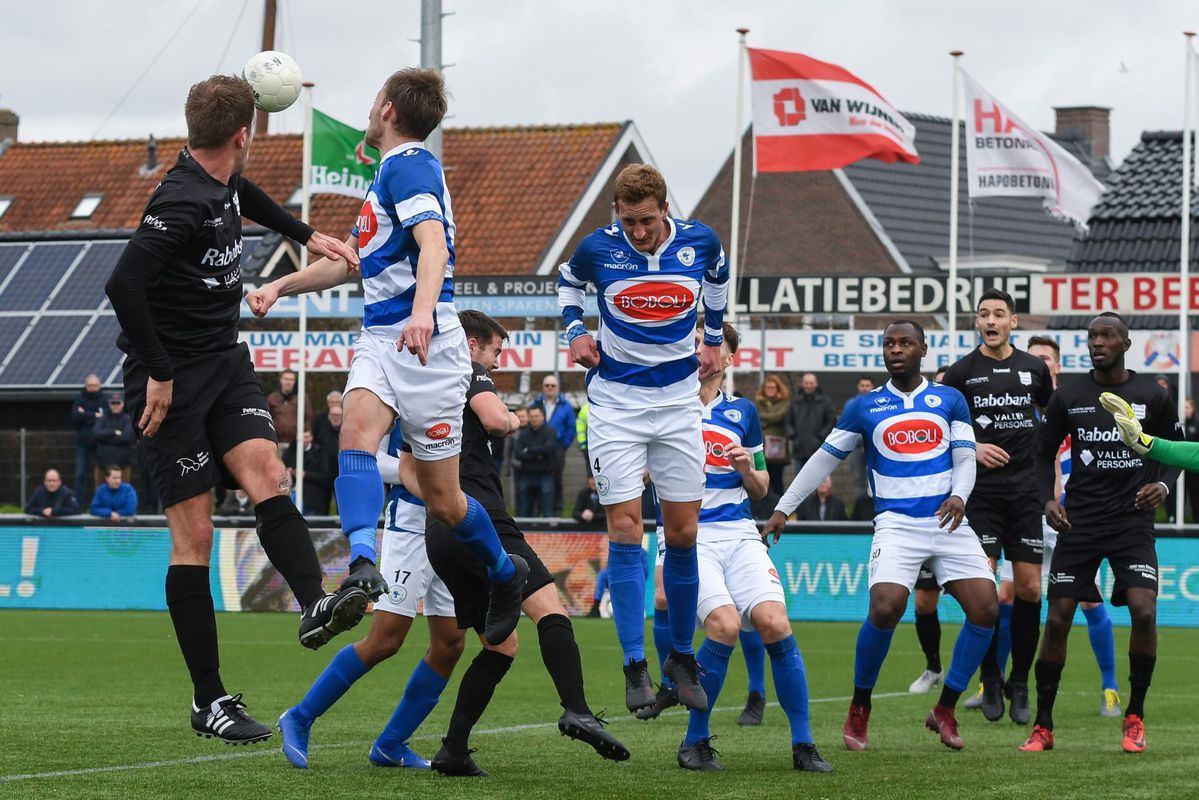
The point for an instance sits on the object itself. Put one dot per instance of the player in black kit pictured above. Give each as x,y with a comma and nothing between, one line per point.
1113,494
484,416
191,387
1004,387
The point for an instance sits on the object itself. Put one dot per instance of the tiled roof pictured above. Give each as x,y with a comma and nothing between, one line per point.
512,188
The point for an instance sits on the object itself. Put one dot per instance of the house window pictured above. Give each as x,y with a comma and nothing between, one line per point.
87,206
5,202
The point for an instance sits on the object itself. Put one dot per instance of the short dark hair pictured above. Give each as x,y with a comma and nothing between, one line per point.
995,293
481,327
216,109
1045,341
111,468
636,182
865,378
731,336
419,99
536,407
919,328
1121,324
289,371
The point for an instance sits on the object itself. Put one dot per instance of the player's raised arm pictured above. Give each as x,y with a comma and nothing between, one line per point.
1049,442
573,277
965,467
715,288
322,274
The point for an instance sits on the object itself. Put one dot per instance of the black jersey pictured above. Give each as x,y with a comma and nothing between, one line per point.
177,287
1003,397
1105,475
476,467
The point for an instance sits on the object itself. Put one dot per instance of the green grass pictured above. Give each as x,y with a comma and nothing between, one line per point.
88,691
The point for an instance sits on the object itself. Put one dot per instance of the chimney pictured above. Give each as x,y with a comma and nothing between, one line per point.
1090,124
8,124
151,154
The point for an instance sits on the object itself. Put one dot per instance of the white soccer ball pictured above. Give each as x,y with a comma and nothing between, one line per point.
275,78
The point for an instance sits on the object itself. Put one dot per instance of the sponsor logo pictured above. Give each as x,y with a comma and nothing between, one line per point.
258,412
187,465
1162,351
1061,577
368,225
882,400
212,283
602,485
1086,457
443,444
976,381
983,420
932,401
215,222
912,437
361,156
687,256
1095,435
612,230
883,408
154,222
789,106
411,151
1005,399
398,593
1138,410
1081,410
716,448
221,258
651,301
1000,370
236,204
1025,377
438,431
732,414
985,538
618,255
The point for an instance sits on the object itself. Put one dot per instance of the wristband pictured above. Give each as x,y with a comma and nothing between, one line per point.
713,341
575,331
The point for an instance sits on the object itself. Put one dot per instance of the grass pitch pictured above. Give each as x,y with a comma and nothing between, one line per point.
95,704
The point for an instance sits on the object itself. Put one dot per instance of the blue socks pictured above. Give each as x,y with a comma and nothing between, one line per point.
968,652
713,658
755,660
359,490
873,644
626,587
420,696
345,668
477,533
680,579
1004,647
1103,642
791,685
662,642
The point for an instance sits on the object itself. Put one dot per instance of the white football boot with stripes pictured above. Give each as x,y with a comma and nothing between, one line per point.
227,720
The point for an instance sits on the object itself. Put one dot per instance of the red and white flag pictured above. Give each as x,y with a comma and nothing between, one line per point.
1007,157
810,115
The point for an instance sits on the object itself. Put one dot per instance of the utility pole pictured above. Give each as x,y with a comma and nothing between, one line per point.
268,43
430,56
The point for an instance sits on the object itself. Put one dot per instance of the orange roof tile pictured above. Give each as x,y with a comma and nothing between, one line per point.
513,188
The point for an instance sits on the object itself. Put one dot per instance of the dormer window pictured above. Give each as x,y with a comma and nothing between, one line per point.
87,206
5,202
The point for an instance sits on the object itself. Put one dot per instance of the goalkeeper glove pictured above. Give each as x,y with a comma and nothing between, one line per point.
1127,423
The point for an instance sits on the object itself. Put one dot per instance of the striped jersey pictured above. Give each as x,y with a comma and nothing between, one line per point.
648,306
409,188
908,440
725,513
405,512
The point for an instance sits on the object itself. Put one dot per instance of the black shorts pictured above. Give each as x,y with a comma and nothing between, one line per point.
466,577
1130,552
216,404
926,580
1009,525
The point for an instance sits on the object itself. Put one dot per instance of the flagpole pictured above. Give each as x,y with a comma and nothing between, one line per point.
951,292
305,206
735,228
1184,267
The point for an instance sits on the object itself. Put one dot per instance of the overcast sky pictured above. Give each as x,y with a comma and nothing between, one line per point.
668,66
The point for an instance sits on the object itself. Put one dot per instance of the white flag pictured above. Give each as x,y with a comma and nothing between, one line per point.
1007,157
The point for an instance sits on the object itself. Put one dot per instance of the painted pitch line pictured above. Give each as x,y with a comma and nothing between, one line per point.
178,762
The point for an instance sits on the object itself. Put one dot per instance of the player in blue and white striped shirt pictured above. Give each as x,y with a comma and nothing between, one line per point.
919,444
643,385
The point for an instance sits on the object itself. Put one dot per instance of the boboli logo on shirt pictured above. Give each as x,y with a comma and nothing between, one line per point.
653,300
368,224
716,448
911,437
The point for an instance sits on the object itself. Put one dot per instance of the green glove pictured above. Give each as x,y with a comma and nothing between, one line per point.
1127,423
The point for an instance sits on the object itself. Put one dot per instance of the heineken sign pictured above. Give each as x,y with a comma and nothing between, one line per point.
342,163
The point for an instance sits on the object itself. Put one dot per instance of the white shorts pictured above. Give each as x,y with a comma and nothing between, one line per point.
738,573
901,544
1050,538
410,578
667,441
428,400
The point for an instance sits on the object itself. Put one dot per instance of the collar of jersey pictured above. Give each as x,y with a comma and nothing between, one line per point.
908,399
399,148
715,402
661,248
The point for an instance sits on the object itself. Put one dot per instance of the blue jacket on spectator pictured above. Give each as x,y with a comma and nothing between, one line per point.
123,501
563,420
62,502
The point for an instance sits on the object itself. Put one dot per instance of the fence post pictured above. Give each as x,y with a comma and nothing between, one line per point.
24,472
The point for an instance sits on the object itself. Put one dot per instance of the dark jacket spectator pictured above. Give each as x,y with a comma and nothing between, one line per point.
113,433
86,410
52,499
536,448
322,429
318,481
559,415
822,505
588,510
284,405
809,420
329,440
236,504
114,498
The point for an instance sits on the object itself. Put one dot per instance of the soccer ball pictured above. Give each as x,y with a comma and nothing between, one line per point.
275,78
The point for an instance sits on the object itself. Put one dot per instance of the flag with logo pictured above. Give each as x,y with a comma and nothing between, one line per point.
810,115
1007,157
342,163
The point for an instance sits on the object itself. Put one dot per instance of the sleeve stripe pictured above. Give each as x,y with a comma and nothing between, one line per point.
566,274
828,448
962,443
418,204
